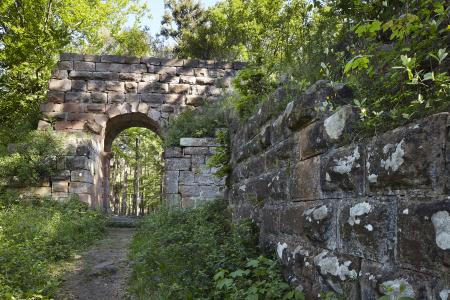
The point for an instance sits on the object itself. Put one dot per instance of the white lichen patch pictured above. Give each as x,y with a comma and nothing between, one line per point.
396,158
330,265
441,223
444,294
398,288
405,211
280,249
358,210
327,177
345,165
373,178
335,124
242,188
369,227
317,213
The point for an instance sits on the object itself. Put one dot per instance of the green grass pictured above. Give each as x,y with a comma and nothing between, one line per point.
35,236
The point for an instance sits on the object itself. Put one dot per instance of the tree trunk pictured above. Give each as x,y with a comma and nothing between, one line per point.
137,168
124,191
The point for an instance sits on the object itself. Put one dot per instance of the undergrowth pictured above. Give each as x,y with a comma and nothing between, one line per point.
201,254
35,235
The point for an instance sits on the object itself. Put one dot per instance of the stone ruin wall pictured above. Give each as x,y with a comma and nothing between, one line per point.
92,98
346,216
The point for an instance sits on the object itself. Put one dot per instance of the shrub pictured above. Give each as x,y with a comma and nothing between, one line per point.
200,122
176,253
36,234
31,161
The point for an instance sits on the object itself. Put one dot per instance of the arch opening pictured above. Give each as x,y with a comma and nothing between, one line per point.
132,165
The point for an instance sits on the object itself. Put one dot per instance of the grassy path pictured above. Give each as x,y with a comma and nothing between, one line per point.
102,271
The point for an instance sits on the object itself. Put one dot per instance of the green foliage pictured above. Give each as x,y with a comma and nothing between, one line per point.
32,160
221,158
395,293
33,33
176,253
260,279
252,86
34,236
150,165
200,122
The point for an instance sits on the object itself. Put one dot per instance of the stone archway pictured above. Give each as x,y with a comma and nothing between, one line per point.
92,98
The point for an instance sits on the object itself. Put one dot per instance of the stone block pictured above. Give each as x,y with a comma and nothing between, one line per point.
131,87
190,63
63,175
171,152
195,100
115,86
424,234
93,127
116,97
174,164
82,75
187,178
342,171
79,85
120,68
166,70
205,80
173,200
270,220
120,59
187,79
103,67
96,85
69,125
305,180
86,198
185,71
60,186
65,65
112,76
130,76
150,77
153,98
80,116
78,97
312,141
171,182
81,188
154,61
175,99
99,97
209,64
368,228
61,85
172,62
138,68
198,142
201,72
84,66
55,97
78,163
167,108
340,123
410,157
223,65
95,108
196,150
60,74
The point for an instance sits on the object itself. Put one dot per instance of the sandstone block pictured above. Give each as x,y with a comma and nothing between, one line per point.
96,85
181,164
65,65
84,66
78,97
179,88
55,97
81,188
60,74
171,182
185,71
120,59
152,98
77,163
368,228
187,178
150,77
95,108
82,75
171,152
305,180
138,68
62,85
98,97
81,176
112,76
130,76
79,85
166,70
198,142
60,186
116,97
205,80
115,86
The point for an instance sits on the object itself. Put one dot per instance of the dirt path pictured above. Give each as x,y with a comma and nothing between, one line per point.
100,273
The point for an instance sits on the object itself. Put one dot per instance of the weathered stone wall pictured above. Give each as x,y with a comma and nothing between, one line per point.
188,180
341,215
91,99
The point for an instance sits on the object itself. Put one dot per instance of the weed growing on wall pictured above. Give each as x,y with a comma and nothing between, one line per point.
37,234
